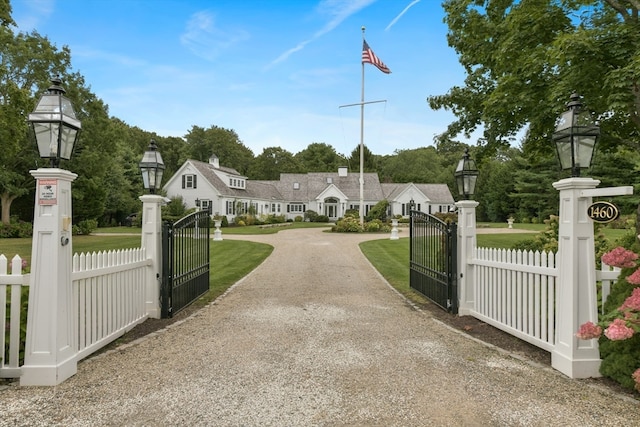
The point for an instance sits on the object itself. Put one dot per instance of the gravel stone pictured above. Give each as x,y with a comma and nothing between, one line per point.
313,337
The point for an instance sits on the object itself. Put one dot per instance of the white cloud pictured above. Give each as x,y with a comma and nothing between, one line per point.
397,18
204,39
337,11
36,11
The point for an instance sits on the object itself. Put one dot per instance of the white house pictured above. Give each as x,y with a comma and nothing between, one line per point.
228,193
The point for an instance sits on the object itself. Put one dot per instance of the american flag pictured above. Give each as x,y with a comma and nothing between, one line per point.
371,58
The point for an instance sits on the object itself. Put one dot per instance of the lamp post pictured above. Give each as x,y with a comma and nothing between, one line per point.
466,175
51,345
54,124
575,137
152,168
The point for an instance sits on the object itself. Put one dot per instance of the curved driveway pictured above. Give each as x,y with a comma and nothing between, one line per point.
313,337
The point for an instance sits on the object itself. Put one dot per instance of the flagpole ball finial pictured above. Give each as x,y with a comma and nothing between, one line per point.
363,28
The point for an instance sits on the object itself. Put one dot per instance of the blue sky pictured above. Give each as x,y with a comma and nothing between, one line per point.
276,72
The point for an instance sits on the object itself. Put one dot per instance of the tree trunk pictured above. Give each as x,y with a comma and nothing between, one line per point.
6,199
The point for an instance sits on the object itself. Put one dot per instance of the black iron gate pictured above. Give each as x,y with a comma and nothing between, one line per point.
433,259
185,255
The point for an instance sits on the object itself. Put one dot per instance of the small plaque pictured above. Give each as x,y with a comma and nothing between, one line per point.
603,212
48,192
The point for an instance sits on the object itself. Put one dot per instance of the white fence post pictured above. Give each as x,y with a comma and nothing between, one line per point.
576,303
466,245
152,242
51,347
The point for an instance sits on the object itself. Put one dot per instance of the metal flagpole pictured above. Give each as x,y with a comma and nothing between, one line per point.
362,143
362,104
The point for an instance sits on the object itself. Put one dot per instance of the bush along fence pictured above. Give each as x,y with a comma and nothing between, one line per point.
77,303
542,298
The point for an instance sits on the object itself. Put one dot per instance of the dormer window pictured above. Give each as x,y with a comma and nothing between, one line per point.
236,183
296,185
329,180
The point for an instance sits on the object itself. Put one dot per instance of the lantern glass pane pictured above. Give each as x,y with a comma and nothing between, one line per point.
584,146
46,138
67,141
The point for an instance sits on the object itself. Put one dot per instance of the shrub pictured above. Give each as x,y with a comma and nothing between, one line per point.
310,216
16,229
348,225
85,227
321,218
298,218
620,343
240,223
379,211
447,217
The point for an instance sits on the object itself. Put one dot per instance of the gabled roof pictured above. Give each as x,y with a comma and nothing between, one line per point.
253,189
313,183
436,193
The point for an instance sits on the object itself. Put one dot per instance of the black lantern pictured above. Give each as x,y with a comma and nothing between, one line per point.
55,125
152,168
575,136
466,176
197,203
412,205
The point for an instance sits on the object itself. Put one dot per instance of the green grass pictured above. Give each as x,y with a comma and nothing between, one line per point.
391,259
231,260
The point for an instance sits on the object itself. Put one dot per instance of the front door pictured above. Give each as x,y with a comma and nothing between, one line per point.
331,208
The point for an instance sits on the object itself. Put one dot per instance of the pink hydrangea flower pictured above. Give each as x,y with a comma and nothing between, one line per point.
636,378
632,302
618,330
634,278
589,331
620,257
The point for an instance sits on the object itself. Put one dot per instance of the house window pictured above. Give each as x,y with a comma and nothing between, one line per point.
231,207
275,207
205,204
295,208
189,181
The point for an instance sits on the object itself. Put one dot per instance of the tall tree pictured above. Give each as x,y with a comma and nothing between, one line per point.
272,162
524,58
27,61
224,143
320,157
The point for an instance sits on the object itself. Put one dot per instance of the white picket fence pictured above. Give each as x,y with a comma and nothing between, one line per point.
607,275
11,285
515,291
108,300
108,295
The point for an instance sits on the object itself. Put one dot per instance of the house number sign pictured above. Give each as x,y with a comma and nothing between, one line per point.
603,212
47,192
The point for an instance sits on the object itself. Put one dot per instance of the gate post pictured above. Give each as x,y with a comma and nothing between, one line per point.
51,345
466,245
152,243
576,287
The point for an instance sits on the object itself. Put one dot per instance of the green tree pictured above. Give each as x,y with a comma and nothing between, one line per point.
202,143
320,157
519,78
420,165
272,162
369,160
27,61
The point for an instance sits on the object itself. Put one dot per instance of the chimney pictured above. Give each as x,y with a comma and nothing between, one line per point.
214,161
342,171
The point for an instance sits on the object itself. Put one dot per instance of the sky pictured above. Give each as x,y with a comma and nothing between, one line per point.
278,73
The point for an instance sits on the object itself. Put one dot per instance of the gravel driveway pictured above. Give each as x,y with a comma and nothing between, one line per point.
313,337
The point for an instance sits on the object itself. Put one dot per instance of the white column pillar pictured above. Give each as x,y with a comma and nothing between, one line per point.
466,245
152,242
51,343
576,288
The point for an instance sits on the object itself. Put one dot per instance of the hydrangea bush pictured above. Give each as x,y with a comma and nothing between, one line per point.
619,329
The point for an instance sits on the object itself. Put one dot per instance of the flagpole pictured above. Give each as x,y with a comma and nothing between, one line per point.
362,144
